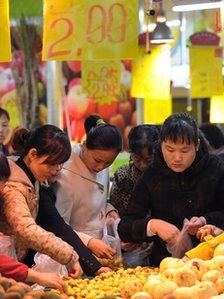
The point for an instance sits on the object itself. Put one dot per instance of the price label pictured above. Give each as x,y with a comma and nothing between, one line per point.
101,80
90,29
5,53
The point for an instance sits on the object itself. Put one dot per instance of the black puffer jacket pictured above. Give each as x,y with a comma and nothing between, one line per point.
170,196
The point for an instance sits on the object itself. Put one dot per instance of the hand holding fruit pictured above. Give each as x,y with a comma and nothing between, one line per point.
165,230
101,249
75,270
103,270
206,230
129,246
194,224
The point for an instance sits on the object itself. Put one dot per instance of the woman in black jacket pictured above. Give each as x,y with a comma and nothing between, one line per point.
183,181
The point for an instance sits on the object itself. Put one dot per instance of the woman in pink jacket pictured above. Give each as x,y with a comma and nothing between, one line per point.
42,152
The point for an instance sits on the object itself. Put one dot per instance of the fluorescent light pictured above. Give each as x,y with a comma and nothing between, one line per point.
198,6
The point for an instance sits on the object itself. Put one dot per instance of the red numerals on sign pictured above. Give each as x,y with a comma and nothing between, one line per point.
52,52
107,24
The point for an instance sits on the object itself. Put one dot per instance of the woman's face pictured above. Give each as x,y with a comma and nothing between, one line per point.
97,160
142,161
42,170
4,127
178,156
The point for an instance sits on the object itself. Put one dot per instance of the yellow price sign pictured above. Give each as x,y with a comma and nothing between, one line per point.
101,80
62,35
156,111
5,53
217,109
205,71
151,73
90,29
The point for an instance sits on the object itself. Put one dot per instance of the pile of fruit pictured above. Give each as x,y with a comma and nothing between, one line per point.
11,289
110,283
114,264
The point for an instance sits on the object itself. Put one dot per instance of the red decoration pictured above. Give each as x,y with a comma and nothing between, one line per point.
204,39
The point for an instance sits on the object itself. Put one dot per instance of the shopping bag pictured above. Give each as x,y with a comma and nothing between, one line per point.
45,263
7,246
138,256
182,243
111,237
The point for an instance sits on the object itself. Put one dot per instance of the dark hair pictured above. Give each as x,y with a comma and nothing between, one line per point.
4,112
46,139
213,134
100,135
143,136
4,167
180,127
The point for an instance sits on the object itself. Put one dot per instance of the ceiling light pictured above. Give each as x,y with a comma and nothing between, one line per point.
190,5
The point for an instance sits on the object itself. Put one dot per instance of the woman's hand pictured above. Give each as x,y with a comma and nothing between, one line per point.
46,279
129,246
194,224
101,249
75,270
165,230
112,215
102,270
206,230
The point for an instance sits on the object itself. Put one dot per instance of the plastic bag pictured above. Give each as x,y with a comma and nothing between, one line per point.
44,263
138,256
111,237
7,246
182,242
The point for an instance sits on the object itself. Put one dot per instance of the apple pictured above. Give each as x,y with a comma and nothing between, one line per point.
77,102
131,287
77,130
107,110
73,82
220,284
126,109
151,283
217,263
211,275
74,65
219,250
169,273
141,295
170,262
198,266
205,289
118,121
185,277
164,289
185,293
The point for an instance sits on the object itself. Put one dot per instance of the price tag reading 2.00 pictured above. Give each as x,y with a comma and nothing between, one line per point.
91,30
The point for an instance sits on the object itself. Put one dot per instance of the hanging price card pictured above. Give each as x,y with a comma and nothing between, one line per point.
111,30
63,35
156,111
5,53
151,74
101,80
205,71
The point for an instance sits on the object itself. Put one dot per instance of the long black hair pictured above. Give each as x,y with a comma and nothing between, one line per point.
4,167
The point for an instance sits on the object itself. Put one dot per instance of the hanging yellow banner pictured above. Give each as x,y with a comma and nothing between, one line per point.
151,73
111,29
63,36
101,80
156,111
217,109
90,29
205,71
5,53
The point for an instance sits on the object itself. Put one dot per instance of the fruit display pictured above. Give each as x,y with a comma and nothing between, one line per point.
114,264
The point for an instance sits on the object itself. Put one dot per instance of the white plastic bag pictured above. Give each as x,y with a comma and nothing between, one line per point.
7,246
138,256
182,243
44,263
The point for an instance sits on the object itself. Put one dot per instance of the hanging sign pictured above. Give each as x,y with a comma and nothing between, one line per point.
101,80
151,73
5,53
217,109
90,29
205,71
156,111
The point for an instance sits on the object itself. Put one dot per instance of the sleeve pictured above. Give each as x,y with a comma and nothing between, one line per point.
12,269
25,228
50,219
133,225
